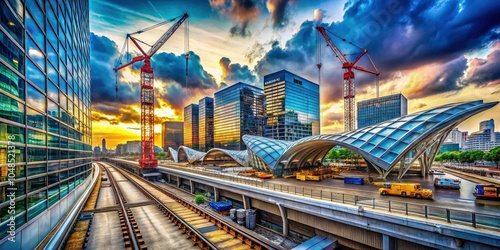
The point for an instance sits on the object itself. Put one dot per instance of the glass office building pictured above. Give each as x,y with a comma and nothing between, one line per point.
191,130
45,121
239,110
206,126
292,106
381,109
172,134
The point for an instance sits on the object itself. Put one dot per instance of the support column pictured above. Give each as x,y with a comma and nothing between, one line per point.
168,178
246,202
388,242
191,185
178,181
284,218
216,194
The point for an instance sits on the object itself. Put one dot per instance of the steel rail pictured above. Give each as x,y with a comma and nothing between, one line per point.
182,221
124,211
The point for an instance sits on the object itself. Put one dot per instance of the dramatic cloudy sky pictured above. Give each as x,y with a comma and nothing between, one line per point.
434,52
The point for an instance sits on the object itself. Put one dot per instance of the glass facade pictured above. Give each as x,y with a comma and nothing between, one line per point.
172,134
292,106
239,110
206,126
381,109
191,123
45,122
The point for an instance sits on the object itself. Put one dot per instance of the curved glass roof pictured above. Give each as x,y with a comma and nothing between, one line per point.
384,144
173,154
192,155
241,157
269,150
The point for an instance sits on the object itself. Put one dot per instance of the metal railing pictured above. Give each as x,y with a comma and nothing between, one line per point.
490,221
59,238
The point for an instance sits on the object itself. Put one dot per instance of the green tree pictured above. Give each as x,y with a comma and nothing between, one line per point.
161,155
494,156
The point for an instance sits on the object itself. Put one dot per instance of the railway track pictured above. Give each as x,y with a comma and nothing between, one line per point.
142,208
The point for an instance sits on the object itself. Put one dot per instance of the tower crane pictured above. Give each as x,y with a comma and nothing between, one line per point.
148,159
349,93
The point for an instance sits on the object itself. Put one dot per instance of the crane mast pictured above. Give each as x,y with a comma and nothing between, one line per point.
148,158
349,87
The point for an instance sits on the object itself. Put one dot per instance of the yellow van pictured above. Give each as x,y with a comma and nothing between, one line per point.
406,189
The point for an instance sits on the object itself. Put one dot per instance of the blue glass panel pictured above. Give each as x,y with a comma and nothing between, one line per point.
11,23
358,143
377,151
11,54
410,137
398,134
53,92
410,125
376,139
399,147
11,109
396,124
389,157
386,131
366,136
35,98
367,147
387,143
36,76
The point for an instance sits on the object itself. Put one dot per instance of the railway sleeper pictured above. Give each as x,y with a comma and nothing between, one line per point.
248,241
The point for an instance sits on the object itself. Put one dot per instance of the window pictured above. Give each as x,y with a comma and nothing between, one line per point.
11,23
37,203
36,169
37,154
10,82
36,138
11,54
35,98
35,75
11,109
35,119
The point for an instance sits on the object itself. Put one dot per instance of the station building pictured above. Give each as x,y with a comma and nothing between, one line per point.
393,144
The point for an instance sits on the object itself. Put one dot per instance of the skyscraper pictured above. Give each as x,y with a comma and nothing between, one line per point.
206,124
381,109
172,134
292,106
488,124
191,130
239,110
104,149
45,111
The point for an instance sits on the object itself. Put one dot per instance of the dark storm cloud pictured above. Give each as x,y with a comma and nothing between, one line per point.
235,72
241,12
400,35
484,71
280,16
444,80
103,53
170,67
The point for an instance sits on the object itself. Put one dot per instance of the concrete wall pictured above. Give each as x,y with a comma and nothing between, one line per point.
29,235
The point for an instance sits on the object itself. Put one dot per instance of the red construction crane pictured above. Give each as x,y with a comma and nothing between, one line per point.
148,159
349,115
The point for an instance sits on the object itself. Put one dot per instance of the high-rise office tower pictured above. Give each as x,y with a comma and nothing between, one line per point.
292,106
381,109
239,110
172,134
45,125
191,130
104,149
488,124
206,123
